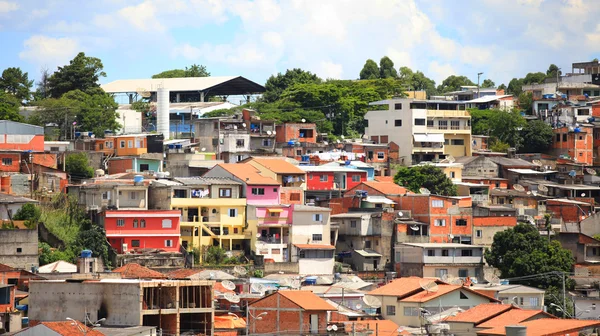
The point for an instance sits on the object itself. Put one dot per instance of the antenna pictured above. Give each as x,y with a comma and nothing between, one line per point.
269,132
429,286
203,149
296,284
542,188
243,124
228,284
399,214
414,228
258,288
240,270
371,301
573,173
518,187
303,120
537,163
358,306
424,191
231,297
590,171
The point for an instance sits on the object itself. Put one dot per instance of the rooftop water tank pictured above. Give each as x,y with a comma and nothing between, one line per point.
86,254
291,143
138,179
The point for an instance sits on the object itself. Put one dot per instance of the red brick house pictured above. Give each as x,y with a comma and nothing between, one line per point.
129,230
288,312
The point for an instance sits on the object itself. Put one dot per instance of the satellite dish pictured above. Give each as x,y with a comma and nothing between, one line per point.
296,284
244,124
429,286
228,284
343,137
240,270
258,235
303,120
414,228
450,279
234,127
424,191
329,327
274,132
572,173
491,276
269,132
542,188
358,306
518,187
371,301
338,141
590,171
582,194
537,163
203,149
399,214
450,159
258,288
334,327
325,143
211,275
231,297
451,236
285,282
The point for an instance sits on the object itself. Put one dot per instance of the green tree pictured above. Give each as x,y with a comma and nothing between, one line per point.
175,73
502,87
552,71
78,166
405,74
275,85
9,107
597,236
425,176
370,70
48,255
421,82
82,73
215,255
386,68
42,90
526,102
17,83
93,237
522,251
506,126
28,211
480,121
499,146
193,70
534,78
453,83
488,83
515,87
539,137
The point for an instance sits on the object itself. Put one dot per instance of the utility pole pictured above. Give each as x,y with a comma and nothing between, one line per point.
557,78
478,75
564,294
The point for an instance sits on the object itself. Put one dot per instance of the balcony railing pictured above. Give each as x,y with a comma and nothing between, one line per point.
273,240
453,260
448,113
449,127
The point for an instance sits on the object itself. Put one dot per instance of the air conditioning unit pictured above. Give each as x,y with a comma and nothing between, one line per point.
124,247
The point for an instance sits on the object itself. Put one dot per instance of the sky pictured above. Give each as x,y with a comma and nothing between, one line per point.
332,38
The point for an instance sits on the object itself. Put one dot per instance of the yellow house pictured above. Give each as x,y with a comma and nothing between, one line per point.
212,212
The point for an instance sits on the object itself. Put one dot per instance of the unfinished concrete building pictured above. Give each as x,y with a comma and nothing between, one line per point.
173,306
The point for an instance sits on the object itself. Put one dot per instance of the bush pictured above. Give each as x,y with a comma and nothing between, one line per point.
78,166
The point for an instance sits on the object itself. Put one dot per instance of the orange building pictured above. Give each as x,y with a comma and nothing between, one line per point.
577,143
20,136
129,144
300,132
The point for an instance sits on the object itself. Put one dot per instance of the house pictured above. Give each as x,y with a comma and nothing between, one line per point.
528,206
312,246
212,208
128,231
269,228
289,312
10,318
489,220
124,164
404,299
480,166
21,137
291,178
175,306
229,137
522,296
296,139
379,156
137,271
59,328
547,327
426,130
18,277
575,143
10,205
585,249
327,181
124,144
378,188
257,188
111,194
492,182
19,248
439,259
478,192
480,142
452,170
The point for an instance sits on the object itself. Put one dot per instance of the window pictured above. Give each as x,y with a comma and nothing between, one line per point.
443,124
440,272
135,243
478,233
411,311
225,192
275,189
398,122
466,253
19,250
122,144
419,122
368,244
355,178
418,105
232,212
299,152
317,237
168,243
266,142
558,138
135,223
534,301
398,106
390,310
454,124
317,217
7,161
108,144
179,193
429,122
132,195
380,155
564,137
457,142
106,195
353,223
437,203
384,139
167,223
452,174
258,191
462,295
445,253
143,223
431,253
120,222
144,167
239,143
130,143
295,197
461,222
439,222
323,178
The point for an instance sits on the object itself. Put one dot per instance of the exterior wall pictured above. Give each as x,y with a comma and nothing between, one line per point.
473,271
481,167
133,146
271,195
488,232
292,195
13,241
350,184
291,131
118,196
579,146
313,181
260,221
119,166
153,235
312,266
230,142
29,142
10,162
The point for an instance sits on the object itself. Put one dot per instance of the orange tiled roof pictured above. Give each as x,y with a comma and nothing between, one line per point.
512,316
547,326
229,322
383,327
307,300
387,188
218,286
279,166
314,247
183,273
384,179
400,287
481,313
247,172
68,328
137,271
6,268
424,296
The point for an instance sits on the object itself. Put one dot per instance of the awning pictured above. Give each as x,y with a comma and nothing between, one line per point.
367,253
420,137
379,200
275,210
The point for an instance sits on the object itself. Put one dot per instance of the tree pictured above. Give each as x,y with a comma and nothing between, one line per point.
9,107
502,87
406,75
193,70
552,71
28,211
522,251
534,78
515,87
17,83
425,176
386,68
526,102
539,137
215,255
453,83
488,83
499,146
506,126
275,85
480,121
175,73
42,90
49,255
82,73
370,70
422,82
93,237
78,166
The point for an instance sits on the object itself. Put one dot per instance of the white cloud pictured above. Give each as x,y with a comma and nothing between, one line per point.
39,13
142,16
8,6
328,69
551,37
438,72
273,39
66,27
49,51
400,58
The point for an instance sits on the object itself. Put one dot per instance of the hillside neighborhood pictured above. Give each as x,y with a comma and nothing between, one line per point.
160,206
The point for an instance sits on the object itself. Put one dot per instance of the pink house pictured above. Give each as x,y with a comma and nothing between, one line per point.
257,188
271,235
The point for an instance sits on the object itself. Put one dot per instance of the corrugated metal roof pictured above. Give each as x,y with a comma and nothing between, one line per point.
13,127
206,180
237,85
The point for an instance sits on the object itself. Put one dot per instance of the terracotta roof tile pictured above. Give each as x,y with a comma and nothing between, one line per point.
314,247
383,327
137,271
247,172
481,313
387,188
183,273
546,327
279,166
401,287
306,300
424,296
512,316
229,322
6,268
384,179
68,328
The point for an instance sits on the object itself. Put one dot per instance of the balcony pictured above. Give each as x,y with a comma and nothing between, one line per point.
272,221
272,240
207,201
448,114
480,198
452,260
428,147
449,129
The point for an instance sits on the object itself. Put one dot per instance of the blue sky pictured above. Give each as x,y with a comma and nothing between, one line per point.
333,38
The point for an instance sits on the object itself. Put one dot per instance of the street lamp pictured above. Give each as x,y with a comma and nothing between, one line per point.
85,323
478,75
249,314
559,308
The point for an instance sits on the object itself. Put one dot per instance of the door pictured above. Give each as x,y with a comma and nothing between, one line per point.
314,324
375,264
